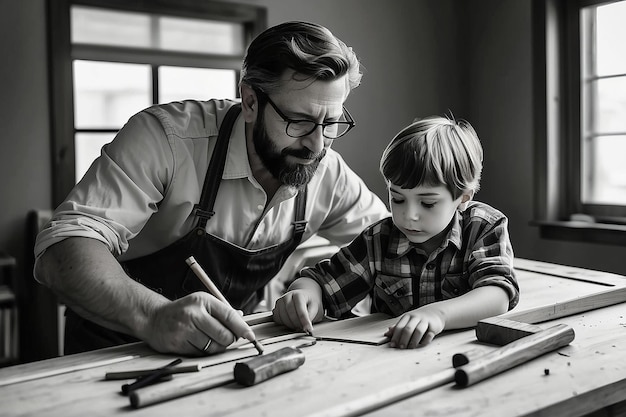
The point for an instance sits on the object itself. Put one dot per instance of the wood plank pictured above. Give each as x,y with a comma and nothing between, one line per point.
382,398
568,307
583,377
72,363
343,372
368,329
569,272
541,294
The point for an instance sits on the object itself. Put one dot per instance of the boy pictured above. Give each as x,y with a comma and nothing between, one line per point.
441,261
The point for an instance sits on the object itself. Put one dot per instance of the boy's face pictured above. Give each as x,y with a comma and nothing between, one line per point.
424,211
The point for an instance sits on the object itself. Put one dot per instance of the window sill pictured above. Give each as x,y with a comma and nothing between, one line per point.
611,234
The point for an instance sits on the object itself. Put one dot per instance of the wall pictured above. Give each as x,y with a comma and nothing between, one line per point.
500,106
400,45
24,125
420,57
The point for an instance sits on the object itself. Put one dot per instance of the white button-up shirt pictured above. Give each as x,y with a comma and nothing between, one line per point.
139,195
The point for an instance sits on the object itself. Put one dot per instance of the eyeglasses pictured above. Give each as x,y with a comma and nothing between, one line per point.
300,128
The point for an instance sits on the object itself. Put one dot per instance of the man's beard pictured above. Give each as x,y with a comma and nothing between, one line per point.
294,175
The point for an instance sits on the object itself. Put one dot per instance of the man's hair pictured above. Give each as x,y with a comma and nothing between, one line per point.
310,50
435,151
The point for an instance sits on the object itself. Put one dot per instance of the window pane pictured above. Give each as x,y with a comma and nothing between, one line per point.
88,147
106,94
202,36
107,27
179,83
96,26
606,183
610,105
611,38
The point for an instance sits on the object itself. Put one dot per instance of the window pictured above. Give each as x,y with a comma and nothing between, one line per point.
113,58
580,119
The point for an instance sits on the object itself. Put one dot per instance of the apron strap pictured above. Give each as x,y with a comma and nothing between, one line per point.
300,219
204,209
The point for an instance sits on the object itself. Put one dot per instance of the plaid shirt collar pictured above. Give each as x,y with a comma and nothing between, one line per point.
400,245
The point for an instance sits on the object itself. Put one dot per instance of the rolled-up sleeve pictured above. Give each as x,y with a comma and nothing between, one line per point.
119,192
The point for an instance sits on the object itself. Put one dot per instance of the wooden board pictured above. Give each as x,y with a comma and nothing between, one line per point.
584,376
585,290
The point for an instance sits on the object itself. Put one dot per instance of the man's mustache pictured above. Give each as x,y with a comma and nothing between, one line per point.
304,153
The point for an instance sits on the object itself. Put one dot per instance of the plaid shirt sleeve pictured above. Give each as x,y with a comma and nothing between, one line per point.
348,276
490,260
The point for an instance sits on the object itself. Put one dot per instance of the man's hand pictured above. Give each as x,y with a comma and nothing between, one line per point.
186,325
300,306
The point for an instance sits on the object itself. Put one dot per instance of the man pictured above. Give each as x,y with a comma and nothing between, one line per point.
238,191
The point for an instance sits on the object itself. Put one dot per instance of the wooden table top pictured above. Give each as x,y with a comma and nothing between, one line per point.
585,376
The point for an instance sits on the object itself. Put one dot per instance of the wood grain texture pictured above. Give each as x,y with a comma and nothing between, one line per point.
513,354
70,364
177,388
499,331
568,307
386,396
584,376
258,318
368,329
465,357
264,367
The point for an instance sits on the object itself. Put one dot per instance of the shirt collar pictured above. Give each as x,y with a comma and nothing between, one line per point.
237,165
400,245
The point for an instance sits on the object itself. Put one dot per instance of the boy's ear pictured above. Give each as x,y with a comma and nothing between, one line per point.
466,198
249,103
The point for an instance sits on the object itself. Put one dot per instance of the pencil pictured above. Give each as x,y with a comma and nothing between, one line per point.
197,269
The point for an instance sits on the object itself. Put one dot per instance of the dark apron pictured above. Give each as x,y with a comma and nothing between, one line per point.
239,273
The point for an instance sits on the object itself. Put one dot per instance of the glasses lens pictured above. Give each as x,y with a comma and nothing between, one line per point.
300,128
336,130
331,130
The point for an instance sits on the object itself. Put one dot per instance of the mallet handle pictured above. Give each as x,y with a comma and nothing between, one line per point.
513,354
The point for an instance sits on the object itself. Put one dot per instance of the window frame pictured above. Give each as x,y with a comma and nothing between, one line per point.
62,53
557,121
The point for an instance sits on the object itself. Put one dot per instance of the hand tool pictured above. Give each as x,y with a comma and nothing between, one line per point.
138,373
264,367
513,354
151,378
251,372
202,275
528,345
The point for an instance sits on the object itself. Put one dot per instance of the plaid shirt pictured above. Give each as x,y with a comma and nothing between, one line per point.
399,276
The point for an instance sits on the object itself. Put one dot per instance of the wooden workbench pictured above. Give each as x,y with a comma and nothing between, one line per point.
587,375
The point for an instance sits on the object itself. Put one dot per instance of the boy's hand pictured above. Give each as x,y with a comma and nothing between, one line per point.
417,327
301,305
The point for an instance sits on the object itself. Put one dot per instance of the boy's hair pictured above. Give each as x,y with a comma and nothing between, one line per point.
309,49
435,151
